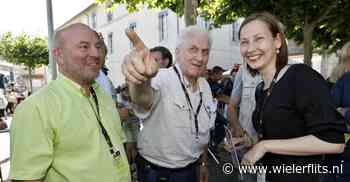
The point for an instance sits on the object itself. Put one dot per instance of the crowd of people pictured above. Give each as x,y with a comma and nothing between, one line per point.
160,124
9,99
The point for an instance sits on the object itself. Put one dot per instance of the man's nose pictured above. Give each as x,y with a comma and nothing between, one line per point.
199,55
94,52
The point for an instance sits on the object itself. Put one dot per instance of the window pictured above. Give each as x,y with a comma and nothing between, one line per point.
162,25
132,26
88,20
109,16
206,24
93,20
109,11
235,29
110,43
203,23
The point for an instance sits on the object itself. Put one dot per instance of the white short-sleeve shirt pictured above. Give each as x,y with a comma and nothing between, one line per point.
168,137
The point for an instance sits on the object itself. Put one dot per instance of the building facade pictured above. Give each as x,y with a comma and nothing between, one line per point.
159,27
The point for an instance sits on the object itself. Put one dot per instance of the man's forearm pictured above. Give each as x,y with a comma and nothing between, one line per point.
233,119
204,157
141,94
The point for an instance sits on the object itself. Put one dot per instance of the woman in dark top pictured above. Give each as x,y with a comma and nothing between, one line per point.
341,96
295,117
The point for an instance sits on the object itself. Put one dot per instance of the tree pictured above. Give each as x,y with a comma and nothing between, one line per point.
316,24
24,50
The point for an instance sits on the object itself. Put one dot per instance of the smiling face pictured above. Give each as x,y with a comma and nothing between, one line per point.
193,55
258,46
79,54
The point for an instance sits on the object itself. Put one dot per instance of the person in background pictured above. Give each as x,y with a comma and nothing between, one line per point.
340,69
163,56
240,110
102,78
3,124
3,104
77,135
341,96
221,87
131,127
12,101
177,110
294,117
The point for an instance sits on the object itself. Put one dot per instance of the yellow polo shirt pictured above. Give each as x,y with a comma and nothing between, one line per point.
55,137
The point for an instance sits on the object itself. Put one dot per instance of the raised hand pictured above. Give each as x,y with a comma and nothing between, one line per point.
138,66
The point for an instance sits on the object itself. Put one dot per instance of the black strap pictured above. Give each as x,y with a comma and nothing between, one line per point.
189,102
115,152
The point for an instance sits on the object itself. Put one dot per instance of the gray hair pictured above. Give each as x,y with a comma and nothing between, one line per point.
190,31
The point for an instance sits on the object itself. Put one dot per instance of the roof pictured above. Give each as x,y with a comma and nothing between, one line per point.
77,15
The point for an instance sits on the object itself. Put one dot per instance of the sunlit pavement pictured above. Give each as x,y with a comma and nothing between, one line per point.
5,150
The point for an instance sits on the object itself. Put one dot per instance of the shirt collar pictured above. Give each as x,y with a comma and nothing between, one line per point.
73,86
183,78
185,81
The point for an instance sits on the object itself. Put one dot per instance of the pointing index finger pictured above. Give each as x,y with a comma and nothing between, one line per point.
135,39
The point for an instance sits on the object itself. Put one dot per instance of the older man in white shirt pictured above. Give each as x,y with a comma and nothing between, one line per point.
177,108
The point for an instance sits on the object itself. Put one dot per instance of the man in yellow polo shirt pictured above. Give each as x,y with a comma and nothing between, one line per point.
70,130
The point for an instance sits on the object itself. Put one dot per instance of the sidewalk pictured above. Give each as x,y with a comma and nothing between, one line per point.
5,150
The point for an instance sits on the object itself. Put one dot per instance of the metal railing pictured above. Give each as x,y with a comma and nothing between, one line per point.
3,161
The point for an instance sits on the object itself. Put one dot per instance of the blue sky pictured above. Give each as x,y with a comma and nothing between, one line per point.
30,15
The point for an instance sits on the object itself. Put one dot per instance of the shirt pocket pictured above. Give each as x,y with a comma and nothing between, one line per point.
181,113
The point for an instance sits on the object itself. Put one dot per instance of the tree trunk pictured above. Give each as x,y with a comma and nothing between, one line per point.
190,12
308,30
30,79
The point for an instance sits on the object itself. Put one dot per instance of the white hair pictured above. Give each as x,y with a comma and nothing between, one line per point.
189,32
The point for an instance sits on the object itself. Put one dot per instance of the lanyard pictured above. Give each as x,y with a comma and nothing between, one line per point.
189,102
113,150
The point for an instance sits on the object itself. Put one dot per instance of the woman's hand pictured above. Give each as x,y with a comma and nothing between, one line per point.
254,154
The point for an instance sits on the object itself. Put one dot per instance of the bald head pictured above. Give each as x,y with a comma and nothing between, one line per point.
60,35
78,53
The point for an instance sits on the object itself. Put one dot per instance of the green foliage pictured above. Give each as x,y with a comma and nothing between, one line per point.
328,18
135,5
25,50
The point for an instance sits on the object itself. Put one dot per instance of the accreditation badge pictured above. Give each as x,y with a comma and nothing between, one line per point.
122,166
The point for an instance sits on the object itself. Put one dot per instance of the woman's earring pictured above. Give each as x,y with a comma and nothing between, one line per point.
277,51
